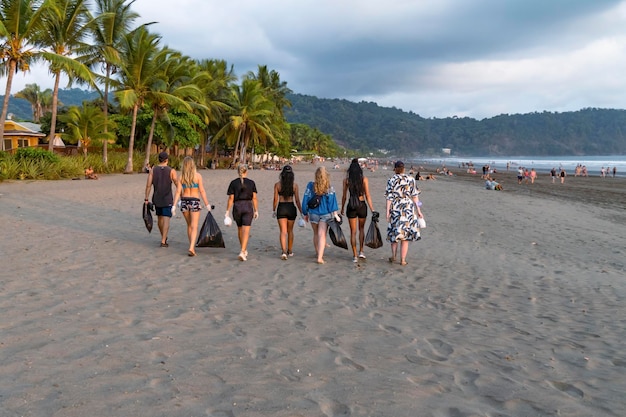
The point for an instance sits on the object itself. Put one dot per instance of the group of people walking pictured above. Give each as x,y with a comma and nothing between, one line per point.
318,206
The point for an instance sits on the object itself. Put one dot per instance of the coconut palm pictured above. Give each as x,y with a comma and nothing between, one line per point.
250,118
32,94
84,125
173,87
113,21
138,76
65,25
19,24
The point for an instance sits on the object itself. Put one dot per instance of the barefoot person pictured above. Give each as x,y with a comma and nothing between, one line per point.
323,207
402,212
189,189
162,177
286,199
242,199
357,205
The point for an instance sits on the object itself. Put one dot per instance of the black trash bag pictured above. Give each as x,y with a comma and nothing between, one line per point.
147,215
336,234
210,235
372,237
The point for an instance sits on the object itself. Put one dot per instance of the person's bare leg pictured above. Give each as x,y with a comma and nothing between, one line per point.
290,224
315,226
321,241
192,230
394,250
404,249
361,235
282,225
244,234
164,227
353,231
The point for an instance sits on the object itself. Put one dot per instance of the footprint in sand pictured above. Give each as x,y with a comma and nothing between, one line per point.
569,389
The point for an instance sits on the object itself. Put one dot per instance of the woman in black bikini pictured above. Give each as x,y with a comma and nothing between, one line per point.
286,198
189,189
357,205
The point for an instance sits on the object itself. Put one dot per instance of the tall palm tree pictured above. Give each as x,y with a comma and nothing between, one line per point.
250,119
19,24
84,125
65,25
173,89
138,76
113,21
32,94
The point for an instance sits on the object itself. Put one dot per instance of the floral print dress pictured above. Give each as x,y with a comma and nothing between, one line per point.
401,190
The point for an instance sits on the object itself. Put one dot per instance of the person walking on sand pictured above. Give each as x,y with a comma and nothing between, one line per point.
322,208
403,212
357,205
161,178
553,174
533,175
614,171
286,207
189,189
562,175
243,200
520,175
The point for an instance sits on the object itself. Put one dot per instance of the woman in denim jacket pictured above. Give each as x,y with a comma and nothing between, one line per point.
320,213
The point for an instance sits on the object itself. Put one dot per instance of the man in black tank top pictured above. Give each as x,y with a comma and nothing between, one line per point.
162,177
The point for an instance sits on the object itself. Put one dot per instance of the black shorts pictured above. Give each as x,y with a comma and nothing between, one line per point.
360,211
286,210
243,212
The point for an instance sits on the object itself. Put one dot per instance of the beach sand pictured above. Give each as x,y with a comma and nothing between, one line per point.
512,305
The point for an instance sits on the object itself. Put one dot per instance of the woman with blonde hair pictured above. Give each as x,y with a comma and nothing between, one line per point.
319,205
189,190
242,199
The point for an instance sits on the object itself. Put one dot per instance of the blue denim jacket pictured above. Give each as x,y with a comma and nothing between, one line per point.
328,204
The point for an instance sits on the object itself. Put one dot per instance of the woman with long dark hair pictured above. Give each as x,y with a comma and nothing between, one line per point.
360,198
286,207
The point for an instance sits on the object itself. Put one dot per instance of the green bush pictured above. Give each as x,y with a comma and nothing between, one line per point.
36,154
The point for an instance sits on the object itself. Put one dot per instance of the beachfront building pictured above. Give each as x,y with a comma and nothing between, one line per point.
20,135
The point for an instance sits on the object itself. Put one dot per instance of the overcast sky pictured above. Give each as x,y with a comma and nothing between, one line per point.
437,58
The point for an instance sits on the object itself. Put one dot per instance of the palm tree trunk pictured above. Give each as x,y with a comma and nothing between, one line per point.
55,102
105,143
5,104
131,141
150,135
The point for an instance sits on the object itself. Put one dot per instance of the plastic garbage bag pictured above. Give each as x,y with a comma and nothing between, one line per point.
372,237
210,235
147,215
336,234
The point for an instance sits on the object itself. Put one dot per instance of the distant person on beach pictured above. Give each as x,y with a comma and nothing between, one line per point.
562,174
161,178
189,190
243,200
286,207
360,198
90,174
323,208
403,211
614,171
533,175
553,174
520,175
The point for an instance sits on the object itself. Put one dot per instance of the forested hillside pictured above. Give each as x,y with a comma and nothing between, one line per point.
368,127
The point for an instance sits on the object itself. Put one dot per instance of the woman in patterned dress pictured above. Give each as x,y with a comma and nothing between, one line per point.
402,212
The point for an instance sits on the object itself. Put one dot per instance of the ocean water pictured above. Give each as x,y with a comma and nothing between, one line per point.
540,163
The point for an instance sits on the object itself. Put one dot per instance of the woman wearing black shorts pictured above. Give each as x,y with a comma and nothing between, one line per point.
242,199
357,205
286,198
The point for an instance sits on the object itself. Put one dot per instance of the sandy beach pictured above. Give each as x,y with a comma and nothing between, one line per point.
513,304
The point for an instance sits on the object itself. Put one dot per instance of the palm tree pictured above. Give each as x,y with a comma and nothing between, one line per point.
172,89
113,21
84,125
32,94
250,119
65,25
138,51
19,23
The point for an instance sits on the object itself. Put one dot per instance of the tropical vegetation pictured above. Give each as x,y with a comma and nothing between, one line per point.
149,96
